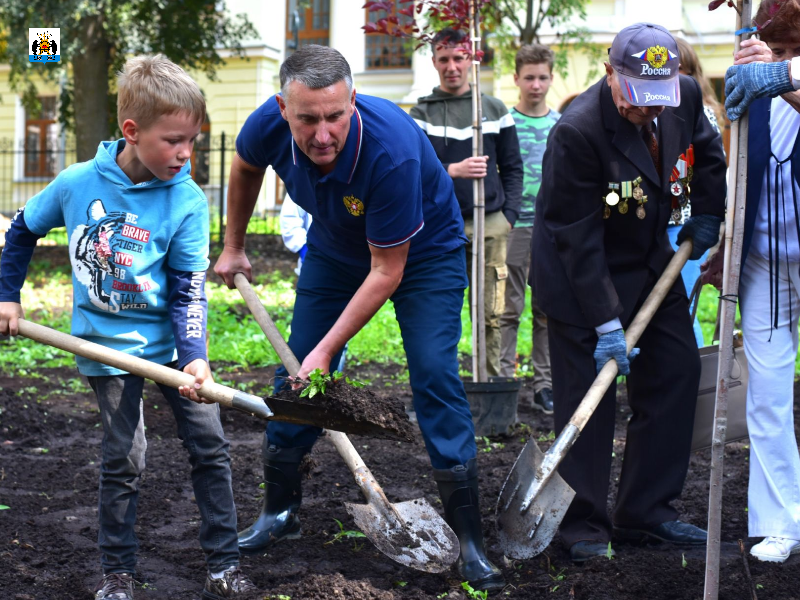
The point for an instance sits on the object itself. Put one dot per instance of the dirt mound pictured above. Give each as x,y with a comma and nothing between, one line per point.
335,587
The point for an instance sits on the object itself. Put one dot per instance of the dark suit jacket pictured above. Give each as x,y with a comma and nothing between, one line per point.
586,270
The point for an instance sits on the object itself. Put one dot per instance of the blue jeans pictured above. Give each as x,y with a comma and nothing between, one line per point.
123,450
428,307
690,273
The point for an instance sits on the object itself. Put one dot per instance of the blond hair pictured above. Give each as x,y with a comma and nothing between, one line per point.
150,87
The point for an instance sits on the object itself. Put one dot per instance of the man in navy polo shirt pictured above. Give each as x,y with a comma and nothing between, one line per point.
386,224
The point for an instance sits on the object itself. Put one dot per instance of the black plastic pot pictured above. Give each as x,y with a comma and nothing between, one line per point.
493,405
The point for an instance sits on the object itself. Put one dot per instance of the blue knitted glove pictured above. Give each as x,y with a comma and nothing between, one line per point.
612,345
745,83
703,231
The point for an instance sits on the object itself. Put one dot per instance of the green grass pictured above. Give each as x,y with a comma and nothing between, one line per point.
235,337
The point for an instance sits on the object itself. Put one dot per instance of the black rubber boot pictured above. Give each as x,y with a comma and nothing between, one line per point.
458,488
282,496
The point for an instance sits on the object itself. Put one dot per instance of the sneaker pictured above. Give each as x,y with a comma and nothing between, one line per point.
115,586
543,401
232,584
775,549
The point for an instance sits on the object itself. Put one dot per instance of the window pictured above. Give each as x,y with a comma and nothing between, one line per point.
41,139
388,51
311,22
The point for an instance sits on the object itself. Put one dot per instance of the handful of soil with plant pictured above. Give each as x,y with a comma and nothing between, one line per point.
352,399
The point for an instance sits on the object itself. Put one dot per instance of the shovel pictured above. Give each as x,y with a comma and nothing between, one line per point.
535,498
410,533
271,408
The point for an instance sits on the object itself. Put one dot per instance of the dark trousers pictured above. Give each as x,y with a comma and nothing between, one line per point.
428,307
662,392
123,457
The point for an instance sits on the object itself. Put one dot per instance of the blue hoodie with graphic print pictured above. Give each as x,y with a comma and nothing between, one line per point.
139,253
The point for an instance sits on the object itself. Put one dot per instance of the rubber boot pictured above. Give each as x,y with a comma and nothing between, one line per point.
282,496
458,488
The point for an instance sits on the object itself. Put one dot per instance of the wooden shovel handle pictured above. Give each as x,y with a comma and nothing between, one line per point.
144,368
608,373
364,478
267,324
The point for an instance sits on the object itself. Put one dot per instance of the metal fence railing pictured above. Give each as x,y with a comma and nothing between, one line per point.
25,171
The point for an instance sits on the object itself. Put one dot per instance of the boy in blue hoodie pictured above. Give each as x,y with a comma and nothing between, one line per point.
138,244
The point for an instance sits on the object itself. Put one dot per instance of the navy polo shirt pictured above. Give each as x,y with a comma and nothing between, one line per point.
387,187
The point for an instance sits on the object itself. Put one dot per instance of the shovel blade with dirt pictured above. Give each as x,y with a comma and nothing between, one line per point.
325,416
432,550
269,408
411,533
534,498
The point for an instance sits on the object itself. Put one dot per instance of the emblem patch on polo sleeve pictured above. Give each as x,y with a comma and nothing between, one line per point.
354,206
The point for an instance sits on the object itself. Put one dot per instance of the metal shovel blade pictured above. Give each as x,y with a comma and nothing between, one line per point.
426,543
525,531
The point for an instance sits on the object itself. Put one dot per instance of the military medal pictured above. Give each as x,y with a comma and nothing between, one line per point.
682,174
640,209
637,193
612,198
623,206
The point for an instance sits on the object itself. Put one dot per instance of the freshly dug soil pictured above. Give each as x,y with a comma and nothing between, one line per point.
49,462
362,405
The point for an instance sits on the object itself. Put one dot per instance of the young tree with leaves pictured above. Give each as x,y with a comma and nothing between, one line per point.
509,24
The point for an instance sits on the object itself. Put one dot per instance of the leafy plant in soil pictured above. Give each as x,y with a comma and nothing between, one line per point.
557,578
344,533
318,382
472,593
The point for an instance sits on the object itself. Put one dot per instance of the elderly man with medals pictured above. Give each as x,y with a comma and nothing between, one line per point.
619,165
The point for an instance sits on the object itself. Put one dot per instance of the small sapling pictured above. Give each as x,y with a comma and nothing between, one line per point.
344,533
609,552
472,593
318,382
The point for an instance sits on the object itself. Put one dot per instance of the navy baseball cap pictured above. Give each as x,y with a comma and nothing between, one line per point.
646,59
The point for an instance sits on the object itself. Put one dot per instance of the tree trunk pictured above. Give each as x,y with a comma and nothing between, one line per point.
528,34
90,70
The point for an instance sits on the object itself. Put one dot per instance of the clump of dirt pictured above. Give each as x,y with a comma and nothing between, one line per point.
307,465
362,406
335,587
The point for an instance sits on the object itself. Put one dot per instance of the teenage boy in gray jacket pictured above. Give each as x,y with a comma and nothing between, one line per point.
446,118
